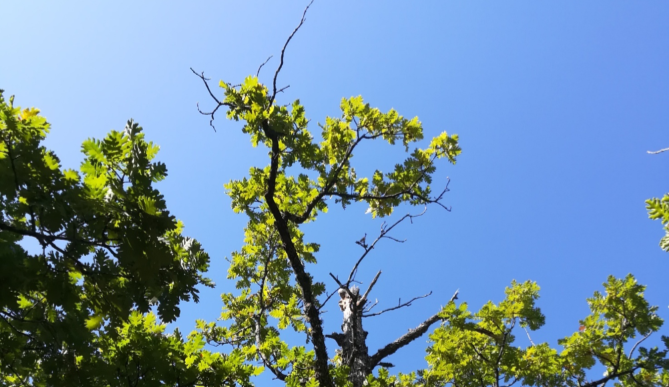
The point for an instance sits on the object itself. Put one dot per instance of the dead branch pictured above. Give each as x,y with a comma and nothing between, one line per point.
218,103
399,305
407,338
659,151
341,286
283,51
264,63
371,307
382,234
362,300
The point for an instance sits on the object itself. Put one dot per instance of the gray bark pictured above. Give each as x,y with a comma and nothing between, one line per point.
352,340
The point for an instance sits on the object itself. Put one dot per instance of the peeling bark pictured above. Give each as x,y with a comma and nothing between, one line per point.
354,352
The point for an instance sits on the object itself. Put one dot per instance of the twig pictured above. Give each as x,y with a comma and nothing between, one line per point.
218,103
659,151
264,63
362,300
528,336
399,305
326,301
637,344
283,51
384,232
372,306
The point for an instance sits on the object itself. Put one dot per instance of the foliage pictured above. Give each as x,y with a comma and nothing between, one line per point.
71,312
79,310
277,202
476,349
659,209
468,349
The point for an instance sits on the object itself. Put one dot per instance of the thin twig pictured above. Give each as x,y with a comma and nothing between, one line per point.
283,51
659,151
264,63
384,232
371,307
637,344
218,103
399,305
528,336
326,301
362,300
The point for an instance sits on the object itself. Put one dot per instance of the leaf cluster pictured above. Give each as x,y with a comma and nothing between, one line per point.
477,349
72,311
659,209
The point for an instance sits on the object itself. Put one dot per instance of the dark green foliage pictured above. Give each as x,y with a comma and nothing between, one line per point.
109,249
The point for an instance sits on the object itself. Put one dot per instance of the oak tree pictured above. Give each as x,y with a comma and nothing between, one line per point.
79,309
76,309
305,176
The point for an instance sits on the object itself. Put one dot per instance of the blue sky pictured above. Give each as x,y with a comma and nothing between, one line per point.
556,104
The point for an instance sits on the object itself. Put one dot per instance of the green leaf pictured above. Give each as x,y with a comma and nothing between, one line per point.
94,322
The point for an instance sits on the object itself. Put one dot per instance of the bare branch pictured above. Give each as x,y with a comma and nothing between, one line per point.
264,63
659,151
326,300
399,305
528,336
362,300
384,232
407,338
341,286
218,103
206,84
639,342
283,51
371,307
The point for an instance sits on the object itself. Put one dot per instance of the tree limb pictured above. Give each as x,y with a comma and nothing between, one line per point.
659,151
384,232
399,305
407,338
283,51
264,63
362,300
298,219
610,377
302,278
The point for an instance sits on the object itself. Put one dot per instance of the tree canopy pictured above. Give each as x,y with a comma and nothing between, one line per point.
467,349
76,310
93,266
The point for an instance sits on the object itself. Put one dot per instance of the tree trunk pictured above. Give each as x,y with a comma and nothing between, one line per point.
352,340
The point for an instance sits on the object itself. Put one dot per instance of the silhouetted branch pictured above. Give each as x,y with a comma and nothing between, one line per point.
382,234
283,51
264,63
218,103
408,337
399,305
362,300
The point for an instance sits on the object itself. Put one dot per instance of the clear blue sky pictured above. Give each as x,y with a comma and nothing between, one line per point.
556,104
